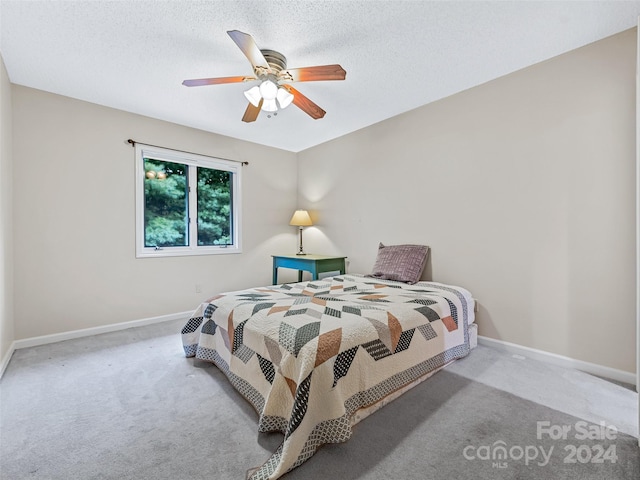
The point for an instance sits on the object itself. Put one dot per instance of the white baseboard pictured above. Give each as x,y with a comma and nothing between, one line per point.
85,332
7,357
560,360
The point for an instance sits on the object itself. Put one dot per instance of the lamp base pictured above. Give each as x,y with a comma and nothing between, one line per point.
300,248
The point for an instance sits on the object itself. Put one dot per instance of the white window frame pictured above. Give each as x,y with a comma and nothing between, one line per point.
192,160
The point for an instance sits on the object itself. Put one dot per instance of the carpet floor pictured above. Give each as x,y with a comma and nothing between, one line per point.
129,405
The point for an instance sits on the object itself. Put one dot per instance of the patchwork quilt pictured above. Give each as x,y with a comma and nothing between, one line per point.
308,355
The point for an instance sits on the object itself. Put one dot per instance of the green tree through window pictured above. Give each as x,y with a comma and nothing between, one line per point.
214,207
166,219
187,204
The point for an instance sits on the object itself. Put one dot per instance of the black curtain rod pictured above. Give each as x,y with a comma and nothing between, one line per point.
133,144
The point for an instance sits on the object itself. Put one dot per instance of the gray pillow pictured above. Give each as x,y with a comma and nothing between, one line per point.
402,263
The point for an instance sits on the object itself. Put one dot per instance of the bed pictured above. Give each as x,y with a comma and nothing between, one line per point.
314,358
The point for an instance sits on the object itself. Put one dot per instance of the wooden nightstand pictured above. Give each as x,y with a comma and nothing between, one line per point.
311,263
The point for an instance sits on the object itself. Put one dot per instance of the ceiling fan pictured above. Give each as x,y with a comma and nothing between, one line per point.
274,90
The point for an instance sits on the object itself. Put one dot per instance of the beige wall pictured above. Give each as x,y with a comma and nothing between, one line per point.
74,218
523,187
6,216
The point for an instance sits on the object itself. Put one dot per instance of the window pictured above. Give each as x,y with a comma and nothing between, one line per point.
186,204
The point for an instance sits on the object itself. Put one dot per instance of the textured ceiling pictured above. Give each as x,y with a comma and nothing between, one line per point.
399,55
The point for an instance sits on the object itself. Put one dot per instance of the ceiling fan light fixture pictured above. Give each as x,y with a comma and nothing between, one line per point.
268,90
269,105
284,97
253,95
270,69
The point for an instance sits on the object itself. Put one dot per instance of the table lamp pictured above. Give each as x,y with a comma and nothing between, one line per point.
301,219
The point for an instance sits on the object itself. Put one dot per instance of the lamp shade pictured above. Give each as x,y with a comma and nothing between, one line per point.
253,95
269,105
284,98
268,90
301,218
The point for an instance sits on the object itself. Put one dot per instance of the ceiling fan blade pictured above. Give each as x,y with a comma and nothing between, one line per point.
251,113
312,74
250,49
198,82
304,104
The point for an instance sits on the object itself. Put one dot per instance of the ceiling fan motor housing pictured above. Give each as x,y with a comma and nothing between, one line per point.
276,60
